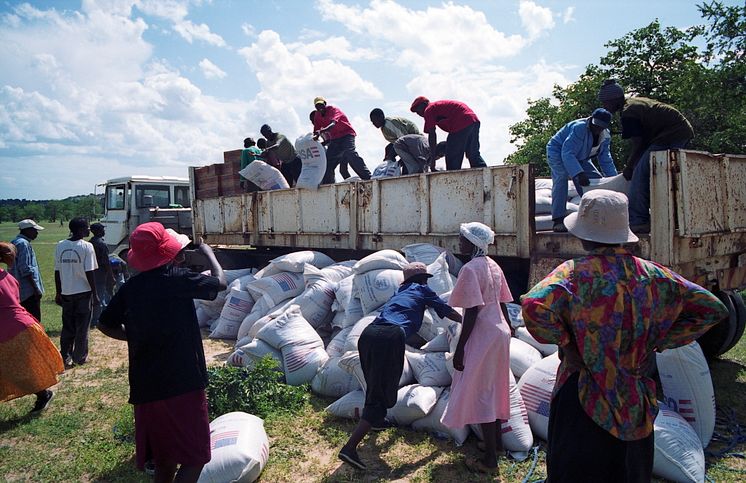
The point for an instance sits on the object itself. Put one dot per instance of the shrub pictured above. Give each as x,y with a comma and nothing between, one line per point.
258,390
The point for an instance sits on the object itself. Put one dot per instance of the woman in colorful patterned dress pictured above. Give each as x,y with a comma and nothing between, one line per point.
29,361
480,392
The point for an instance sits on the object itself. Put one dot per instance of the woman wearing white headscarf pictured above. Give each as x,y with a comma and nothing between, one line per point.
480,392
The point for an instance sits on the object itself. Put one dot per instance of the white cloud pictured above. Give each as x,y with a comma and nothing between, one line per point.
433,39
191,32
173,10
569,15
534,18
248,29
210,70
335,47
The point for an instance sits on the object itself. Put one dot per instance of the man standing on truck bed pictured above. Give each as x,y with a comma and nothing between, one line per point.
281,151
392,128
462,126
340,150
650,126
249,153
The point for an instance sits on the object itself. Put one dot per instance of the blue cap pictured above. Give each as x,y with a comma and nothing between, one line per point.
601,117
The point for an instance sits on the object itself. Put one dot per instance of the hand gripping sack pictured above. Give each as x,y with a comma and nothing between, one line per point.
264,176
333,381
375,287
239,447
522,356
678,451
313,159
431,423
296,261
687,386
536,388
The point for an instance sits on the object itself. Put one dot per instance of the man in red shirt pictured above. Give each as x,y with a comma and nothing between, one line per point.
332,124
462,126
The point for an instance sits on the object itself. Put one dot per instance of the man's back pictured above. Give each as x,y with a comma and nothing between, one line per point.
73,258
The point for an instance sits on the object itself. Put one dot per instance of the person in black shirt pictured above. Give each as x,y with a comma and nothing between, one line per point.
154,312
103,275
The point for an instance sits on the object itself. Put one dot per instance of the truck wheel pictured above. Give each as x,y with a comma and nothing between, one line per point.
714,341
740,311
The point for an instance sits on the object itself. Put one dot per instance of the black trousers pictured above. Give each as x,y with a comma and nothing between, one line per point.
291,170
342,151
465,141
381,349
33,305
76,320
579,450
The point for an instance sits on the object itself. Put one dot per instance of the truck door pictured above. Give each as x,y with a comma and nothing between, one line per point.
115,218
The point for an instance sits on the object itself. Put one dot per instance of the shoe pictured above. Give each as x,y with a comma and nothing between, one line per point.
640,229
43,402
68,363
477,466
383,425
352,459
559,227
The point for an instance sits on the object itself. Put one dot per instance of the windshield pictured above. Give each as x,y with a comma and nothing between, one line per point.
150,196
115,197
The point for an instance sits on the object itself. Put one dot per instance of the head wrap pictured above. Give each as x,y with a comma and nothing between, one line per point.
479,234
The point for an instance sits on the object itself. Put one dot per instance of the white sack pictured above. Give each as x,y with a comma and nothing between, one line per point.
678,451
438,344
375,287
313,160
240,449
544,222
413,402
387,169
264,176
343,293
522,356
302,362
336,346
431,423
441,281
237,306
349,406
258,311
687,386
350,362
515,314
333,273
536,388
354,334
316,302
516,431
278,287
429,367
353,313
249,354
523,334
333,381
427,253
296,261
381,260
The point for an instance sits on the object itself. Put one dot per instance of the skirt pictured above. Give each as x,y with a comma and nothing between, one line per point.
29,363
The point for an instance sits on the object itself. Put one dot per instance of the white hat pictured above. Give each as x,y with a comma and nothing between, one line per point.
182,239
27,223
602,217
477,233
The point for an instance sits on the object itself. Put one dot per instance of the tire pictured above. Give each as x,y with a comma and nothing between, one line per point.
740,311
715,341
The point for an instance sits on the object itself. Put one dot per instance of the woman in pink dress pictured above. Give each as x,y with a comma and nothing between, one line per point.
480,392
29,361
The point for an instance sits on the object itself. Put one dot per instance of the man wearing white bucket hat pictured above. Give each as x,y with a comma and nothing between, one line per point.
609,312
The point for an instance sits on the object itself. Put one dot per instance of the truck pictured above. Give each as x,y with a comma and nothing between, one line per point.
698,221
133,200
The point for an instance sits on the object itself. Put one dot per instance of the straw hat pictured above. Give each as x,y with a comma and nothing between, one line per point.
602,217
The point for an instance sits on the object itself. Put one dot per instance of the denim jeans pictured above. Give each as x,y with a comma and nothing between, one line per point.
76,318
559,183
639,190
342,150
465,141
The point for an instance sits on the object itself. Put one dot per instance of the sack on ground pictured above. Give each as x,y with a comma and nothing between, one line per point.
249,354
687,386
441,281
357,329
258,311
427,253
313,160
381,260
278,287
349,406
438,344
429,367
350,362
522,356
296,261
536,388
240,449
523,334
333,273
316,303
264,176
336,346
237,306
678,451
431,423
375,287
333,381
515,314
413,402
516,431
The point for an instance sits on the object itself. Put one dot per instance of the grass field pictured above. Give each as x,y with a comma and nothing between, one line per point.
76,439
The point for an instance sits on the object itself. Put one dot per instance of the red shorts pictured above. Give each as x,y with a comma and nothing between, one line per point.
173,430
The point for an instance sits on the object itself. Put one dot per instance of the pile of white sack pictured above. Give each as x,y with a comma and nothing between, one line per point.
308,312
543,197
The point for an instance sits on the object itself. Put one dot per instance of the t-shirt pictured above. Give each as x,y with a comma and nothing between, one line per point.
102,256
250,154
407,306
285,150
655,122
341,129
395,127
163,339
450,116
73,259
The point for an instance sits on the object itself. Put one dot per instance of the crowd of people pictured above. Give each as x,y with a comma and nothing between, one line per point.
608,312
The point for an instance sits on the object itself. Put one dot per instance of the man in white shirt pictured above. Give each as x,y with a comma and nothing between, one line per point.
74,266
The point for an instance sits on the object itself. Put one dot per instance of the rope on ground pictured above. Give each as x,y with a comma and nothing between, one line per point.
728,432
535,449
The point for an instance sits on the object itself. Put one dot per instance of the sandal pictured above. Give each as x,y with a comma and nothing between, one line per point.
477,466
352,459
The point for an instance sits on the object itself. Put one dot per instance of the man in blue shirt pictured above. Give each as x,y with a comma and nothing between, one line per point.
26,268
381,347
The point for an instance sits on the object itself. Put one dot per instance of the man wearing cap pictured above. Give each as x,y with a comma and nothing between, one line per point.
569,154
331,123
154,312
74,266
26,268
650,126
610,312
381,347
281,152
103,275
462,126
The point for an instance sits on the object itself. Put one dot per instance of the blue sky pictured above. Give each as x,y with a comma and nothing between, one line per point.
94,90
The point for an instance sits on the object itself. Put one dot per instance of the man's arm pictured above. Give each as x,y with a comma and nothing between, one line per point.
91,277
215,269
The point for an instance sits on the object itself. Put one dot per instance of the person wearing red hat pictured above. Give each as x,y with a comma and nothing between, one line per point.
331,124
462,126
154,312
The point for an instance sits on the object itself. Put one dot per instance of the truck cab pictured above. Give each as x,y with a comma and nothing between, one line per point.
133,200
